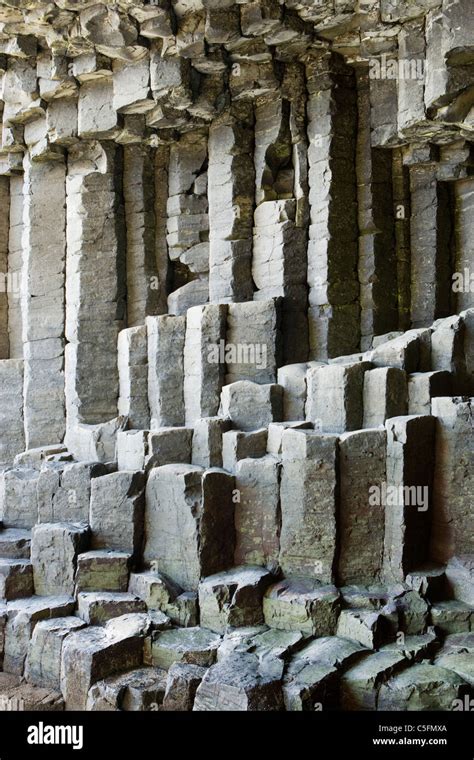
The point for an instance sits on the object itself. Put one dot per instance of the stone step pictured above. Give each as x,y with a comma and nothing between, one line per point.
15,543
102,570
16,579
96,608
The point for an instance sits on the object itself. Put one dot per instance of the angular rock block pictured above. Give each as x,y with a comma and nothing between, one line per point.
196,646
16,579
368,628
208,440
64,489
157,591
11,414
253,341
23,614
302,605
308,504
424,386
275,434
241,683
257,511
410,351
460,577
189,522
138,690
385,395
15,543
116,511
422,687
181,685
102,570
144,449
292,378
361,525
96,607
233,599
24,696
334,402
54,551
18,497
361,683
94,653
251,406
43,664
453,521
237,444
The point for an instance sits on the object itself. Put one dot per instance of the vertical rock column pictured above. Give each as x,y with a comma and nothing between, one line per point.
279,260
453,518
95,283
4,228
231,180
332,250
430,247
144,286
409,494
377,264
42,300
14,268
401,201
464,226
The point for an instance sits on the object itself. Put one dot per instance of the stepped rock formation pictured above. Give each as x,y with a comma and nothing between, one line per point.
236,354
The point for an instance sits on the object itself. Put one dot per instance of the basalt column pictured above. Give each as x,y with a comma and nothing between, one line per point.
430,246
231,199
42,300
279,259
377,264
144,284
95,283
332,250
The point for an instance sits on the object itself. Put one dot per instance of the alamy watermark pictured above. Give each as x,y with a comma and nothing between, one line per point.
396,68
238,353
385,495
463,282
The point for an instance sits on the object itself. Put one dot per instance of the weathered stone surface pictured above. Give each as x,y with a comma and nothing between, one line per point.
43,664
16,578
95,653
116,511
361,683
362,469
181,685
303,605
385,395
422,687
238,444
23,614
241,683
96,607
102,570
233,598
335,397
188,512
138,690
196,646
308,504
54,551
251,406
257,511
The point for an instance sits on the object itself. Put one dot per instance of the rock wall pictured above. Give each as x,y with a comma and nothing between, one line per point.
236,354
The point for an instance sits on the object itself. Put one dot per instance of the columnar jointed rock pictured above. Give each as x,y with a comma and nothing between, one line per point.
188,522
201,199
54,551
308,504
117,510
